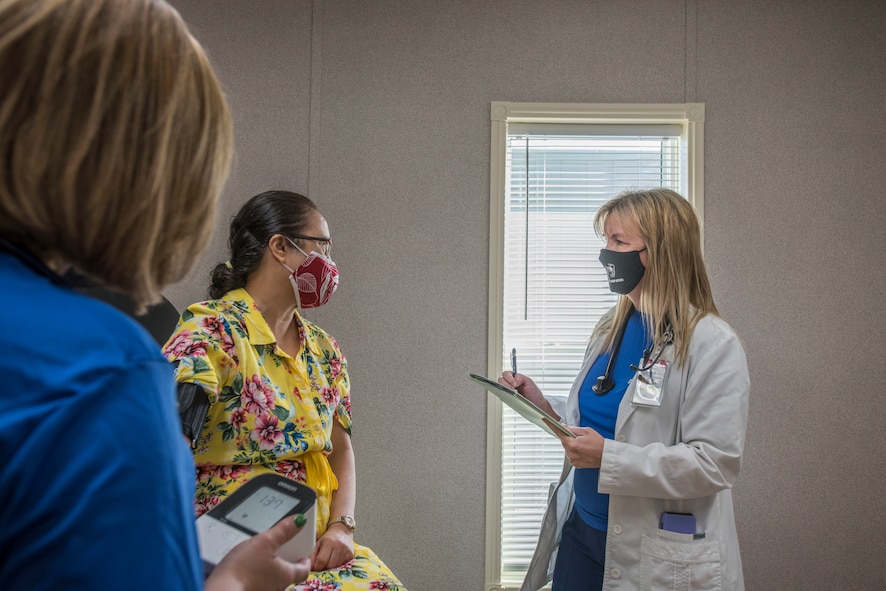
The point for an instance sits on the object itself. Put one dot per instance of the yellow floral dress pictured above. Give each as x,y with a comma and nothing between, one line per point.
269,412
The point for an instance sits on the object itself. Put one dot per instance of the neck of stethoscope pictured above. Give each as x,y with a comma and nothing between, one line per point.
605,383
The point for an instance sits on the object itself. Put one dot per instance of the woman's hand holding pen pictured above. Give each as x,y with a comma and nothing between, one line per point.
583,451
528,390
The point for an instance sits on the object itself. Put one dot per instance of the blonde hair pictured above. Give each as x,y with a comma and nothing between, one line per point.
115,139
676,292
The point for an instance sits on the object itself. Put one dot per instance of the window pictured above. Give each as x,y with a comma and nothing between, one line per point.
553,165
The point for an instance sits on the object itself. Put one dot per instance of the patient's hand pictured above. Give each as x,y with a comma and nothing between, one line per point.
333,549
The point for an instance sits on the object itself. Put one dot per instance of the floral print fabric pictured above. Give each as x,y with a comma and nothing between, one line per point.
269,412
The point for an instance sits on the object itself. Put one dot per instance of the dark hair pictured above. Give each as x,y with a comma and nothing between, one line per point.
266,214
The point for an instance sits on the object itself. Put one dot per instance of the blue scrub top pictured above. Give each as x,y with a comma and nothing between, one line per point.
96,481
599,413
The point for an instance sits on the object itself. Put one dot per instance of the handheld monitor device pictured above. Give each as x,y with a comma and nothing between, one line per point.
253,508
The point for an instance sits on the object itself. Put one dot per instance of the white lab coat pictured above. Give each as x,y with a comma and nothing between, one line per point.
681,457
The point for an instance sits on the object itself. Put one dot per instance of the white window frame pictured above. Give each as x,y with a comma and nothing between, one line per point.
690,116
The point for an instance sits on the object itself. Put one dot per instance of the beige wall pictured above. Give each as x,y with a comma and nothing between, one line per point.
380,109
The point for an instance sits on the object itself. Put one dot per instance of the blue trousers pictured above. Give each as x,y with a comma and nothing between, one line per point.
581,557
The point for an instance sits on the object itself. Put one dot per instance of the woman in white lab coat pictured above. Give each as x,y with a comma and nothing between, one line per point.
659,409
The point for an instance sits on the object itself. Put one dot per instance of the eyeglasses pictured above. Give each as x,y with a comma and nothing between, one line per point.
325,244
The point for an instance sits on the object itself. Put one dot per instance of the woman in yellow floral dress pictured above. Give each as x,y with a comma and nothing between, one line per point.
277,384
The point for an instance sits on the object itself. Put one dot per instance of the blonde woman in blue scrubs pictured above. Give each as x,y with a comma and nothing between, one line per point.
660,413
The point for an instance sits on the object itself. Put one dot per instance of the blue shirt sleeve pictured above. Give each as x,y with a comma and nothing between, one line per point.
99,491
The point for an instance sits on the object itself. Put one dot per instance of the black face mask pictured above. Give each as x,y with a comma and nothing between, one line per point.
623,269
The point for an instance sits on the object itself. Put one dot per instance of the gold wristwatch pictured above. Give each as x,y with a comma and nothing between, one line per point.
347,520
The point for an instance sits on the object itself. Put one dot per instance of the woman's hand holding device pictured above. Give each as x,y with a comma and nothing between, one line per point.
252,511
253,565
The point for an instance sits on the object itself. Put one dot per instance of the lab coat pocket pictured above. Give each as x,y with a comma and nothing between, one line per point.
692,565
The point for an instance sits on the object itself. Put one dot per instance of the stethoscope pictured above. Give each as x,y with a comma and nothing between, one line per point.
605,383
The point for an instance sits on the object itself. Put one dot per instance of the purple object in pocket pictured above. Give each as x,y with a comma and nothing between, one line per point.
681,523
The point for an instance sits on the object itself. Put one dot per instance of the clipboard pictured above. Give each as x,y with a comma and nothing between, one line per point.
521,405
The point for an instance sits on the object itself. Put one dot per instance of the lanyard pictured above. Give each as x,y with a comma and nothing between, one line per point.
28,259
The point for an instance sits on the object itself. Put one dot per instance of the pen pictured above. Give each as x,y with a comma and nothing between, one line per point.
514,362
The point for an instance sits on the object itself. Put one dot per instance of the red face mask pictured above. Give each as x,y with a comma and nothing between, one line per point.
314,280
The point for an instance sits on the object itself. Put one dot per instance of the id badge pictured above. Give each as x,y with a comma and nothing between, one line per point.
650,384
